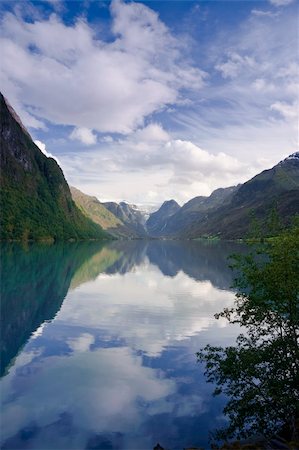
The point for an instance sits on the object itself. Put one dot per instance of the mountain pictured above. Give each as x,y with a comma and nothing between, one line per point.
130,216
35,201
96,211
194,211
273,189
157,221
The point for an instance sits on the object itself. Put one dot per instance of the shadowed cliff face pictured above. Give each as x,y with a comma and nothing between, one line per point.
130,216
157,221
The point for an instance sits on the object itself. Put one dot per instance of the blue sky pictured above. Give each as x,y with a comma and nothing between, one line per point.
146,101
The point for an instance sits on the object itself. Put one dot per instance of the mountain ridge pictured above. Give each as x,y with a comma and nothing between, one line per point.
157,221
35,199
228,212
130,216
96,211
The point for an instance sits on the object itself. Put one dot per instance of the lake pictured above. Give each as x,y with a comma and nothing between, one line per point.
99,342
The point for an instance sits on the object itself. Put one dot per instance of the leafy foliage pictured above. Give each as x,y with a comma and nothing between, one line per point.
260,374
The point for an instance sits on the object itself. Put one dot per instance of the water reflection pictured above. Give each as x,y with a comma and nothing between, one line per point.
34,282
116,367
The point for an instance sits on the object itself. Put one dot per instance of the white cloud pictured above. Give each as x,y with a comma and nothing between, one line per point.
84,135
281,2
42,146
262,85
287,110
234,64
69,76
151,133
107,139
262,13
151,165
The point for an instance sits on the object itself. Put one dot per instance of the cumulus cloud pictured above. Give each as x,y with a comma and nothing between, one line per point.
42,146
151,133
150,165
234,64
84,135
141,82
66,74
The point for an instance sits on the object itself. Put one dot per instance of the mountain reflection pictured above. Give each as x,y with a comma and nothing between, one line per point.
36,279
99,342
201,261
34,283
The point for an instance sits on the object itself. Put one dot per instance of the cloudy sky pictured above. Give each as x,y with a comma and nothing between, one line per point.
146,101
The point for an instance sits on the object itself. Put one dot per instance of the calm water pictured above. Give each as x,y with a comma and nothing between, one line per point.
98,344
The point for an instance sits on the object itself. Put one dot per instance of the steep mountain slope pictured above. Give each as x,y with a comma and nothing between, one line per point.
35,200
96,211
195,209
274,188
130,216
157,221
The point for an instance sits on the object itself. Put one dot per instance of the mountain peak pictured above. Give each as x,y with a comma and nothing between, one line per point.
157,220
292,156
14,114
169,203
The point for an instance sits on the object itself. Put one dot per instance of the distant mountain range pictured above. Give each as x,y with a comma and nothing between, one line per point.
120,220
130,216
157,221
229,213
35,200
37,203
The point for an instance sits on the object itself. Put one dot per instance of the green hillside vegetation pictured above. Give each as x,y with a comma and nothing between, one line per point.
274,189
92,208
233,213
109,218
35,199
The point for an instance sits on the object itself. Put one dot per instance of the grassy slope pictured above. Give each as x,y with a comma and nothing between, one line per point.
92,208
96,211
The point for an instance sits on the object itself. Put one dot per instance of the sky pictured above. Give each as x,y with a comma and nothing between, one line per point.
148,101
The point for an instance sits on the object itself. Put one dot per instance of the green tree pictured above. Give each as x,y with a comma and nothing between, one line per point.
260,375
273,222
